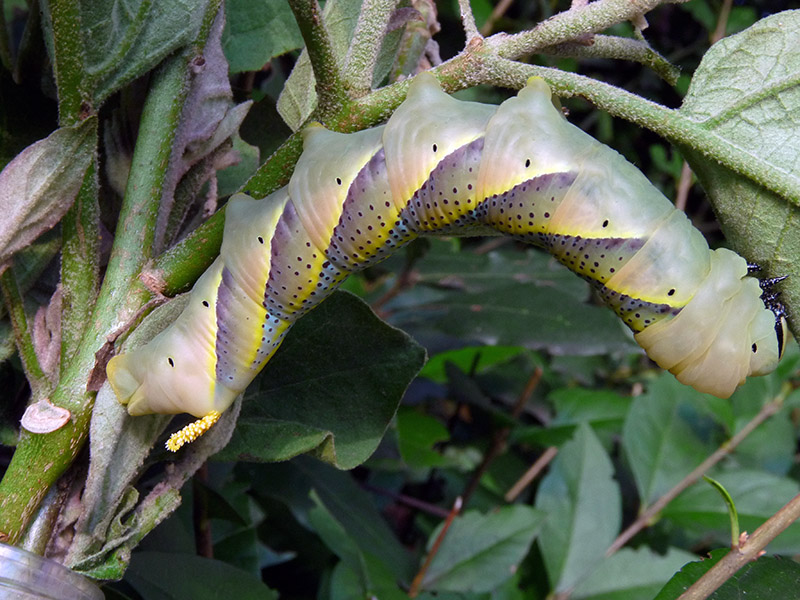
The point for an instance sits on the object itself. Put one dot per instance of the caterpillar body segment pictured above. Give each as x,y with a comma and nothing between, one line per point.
444,166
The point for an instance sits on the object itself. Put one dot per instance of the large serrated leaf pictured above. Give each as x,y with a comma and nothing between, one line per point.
480,552
747,91
663,437
40,184
583,507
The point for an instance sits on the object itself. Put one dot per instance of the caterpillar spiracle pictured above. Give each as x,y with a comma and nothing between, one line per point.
441,165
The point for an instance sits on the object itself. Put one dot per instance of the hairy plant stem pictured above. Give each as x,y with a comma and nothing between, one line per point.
327,67
68,61
619,48
80,232
367,39
40,459
22,334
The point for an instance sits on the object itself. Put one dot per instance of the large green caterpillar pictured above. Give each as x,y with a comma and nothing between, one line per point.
442,165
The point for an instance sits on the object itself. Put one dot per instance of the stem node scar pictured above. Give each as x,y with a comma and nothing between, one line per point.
192,431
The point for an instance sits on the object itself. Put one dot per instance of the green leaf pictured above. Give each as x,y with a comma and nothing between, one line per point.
123,40
631,575
365,573
664,437
480,552
165,576
256,32
509,299
582,503
332,388
475,358
747,91
40,184
768,578
605,411
292,483
758,495
417,434
690,573
346,584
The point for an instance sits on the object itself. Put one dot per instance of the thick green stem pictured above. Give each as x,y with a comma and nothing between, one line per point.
80,271
40,459
68,60
365,47
327,69
181,265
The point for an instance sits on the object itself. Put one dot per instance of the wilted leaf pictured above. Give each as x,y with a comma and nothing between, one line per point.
40,184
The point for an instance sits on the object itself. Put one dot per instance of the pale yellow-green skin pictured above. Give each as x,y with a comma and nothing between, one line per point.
708,345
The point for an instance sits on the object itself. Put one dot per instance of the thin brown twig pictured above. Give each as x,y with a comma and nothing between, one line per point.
722,21
684,185
751,549
405,279
500,438
497,12
529,475
416,584
648,515
204,544
416,503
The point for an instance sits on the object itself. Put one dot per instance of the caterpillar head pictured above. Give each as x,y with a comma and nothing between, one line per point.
723,335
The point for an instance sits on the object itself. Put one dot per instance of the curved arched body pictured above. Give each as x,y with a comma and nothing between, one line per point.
441,165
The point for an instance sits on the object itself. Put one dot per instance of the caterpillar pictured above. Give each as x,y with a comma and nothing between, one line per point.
439,166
